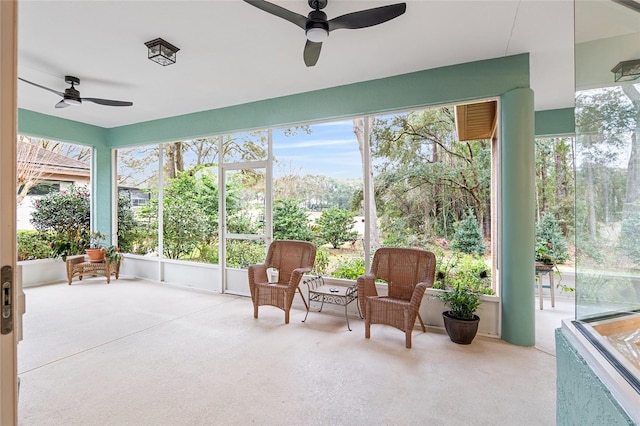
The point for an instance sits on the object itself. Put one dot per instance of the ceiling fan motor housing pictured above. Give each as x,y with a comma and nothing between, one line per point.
72,99
317,4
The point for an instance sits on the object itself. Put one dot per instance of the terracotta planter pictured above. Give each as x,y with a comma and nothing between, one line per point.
95,255
460,331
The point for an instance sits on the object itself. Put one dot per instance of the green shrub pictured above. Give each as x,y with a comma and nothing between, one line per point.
243,253
350,269
468,238
551,247
335,226
33,245
290,221
322,261
467,270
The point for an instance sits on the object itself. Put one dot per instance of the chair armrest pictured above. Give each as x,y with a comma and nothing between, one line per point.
366,287
296,277
418,294
257,274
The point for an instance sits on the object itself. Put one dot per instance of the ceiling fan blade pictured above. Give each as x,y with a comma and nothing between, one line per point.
311,53
62,104
42,87
280,12
108,102
367,18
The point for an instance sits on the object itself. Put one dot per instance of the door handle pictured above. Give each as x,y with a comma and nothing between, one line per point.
6,314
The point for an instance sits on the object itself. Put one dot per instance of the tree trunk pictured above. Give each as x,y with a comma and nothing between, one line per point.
591,201
358,130
633,168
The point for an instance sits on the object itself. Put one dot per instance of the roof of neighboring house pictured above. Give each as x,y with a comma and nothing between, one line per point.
53,163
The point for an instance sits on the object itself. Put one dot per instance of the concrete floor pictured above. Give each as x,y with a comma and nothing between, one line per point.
139,353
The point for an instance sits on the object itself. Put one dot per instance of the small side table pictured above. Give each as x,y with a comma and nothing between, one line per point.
541,270
335,295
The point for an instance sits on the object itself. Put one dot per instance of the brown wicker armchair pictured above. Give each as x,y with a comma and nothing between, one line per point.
408,273
292,259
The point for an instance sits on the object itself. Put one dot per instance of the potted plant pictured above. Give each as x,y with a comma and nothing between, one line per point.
460,320
112,254
95,251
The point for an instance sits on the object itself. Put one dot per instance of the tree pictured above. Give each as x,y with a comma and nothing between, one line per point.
428,177
335,226
290,221
467,237
358,129
66,215
189,213
128,227
604,118
550,243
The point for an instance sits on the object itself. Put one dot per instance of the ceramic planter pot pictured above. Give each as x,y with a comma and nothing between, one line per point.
95,255
460,331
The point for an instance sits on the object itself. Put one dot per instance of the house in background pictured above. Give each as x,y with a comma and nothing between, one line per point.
46,171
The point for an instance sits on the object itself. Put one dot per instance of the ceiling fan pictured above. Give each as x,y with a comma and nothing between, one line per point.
71,96
317,28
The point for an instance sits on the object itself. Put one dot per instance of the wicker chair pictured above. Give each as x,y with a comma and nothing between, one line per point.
292,259
408,272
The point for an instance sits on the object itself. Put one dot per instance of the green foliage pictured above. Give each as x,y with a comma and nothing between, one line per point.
33,245
335,226
128,227
317,192
350,269
629,241
190,213
321,264
112,254
65,215
467,237
184,226
467,270
425,175
290,221
461,300
208,252
63,219
398,233
551,247
243,253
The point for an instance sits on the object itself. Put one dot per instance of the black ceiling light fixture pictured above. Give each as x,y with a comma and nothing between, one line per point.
626,71
162,52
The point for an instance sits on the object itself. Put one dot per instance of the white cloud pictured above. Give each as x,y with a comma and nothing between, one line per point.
316,143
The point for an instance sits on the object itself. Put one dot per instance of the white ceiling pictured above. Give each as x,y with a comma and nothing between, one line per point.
232,53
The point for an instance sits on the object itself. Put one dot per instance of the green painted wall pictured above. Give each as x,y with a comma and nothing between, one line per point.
517,217
581,397
555,122
482,79
45,126
102,216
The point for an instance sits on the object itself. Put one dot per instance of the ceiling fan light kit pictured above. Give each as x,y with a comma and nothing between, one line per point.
162,52
71,95
317,27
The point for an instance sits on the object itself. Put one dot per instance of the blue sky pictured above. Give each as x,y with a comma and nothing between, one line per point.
331,149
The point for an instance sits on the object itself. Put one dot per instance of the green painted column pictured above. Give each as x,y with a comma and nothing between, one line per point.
101,191
517,216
